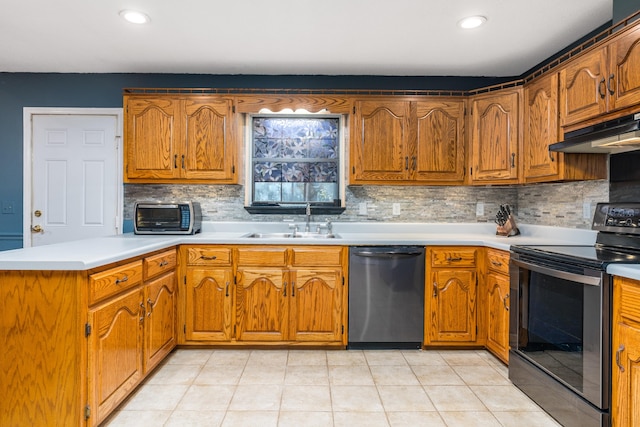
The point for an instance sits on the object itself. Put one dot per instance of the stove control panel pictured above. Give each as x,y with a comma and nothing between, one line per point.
617,217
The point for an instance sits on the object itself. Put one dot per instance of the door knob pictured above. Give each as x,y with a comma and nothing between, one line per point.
36,228
37,213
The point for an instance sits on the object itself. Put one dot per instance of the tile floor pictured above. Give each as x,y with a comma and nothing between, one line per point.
351,388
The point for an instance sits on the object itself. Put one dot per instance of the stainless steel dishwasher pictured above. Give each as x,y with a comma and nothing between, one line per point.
386,297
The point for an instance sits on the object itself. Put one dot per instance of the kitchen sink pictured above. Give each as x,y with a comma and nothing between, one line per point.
291,235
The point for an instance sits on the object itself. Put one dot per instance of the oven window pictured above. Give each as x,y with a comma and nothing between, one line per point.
158,217
559,330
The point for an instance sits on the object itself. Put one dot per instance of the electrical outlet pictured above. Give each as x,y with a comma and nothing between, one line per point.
586,210
479,209
362,208
396,209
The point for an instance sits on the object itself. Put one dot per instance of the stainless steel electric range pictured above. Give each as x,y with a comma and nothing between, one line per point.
560,318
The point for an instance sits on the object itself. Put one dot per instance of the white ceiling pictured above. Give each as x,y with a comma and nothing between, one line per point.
332,37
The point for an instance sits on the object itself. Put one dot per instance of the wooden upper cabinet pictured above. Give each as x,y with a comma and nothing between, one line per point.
179,139
495,136
602,81
379,143
439,152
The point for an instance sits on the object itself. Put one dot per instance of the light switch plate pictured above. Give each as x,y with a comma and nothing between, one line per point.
586,210
396,209
480,209
362,208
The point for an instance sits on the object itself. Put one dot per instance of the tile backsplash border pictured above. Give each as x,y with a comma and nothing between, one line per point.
553,204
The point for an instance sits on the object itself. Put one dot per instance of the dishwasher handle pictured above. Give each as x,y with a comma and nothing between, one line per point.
388,254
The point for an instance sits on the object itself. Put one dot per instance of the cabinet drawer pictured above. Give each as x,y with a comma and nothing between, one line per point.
498,261
113,281
274,256
208,256
158,264
317,256
454,257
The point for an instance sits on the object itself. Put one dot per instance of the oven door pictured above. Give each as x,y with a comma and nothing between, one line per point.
560,324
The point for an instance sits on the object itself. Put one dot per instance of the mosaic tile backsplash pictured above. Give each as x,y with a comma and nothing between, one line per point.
554,204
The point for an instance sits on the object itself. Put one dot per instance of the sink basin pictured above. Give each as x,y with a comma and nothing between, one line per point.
291,236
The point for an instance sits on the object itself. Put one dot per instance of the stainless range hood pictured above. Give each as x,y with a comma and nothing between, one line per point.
615,136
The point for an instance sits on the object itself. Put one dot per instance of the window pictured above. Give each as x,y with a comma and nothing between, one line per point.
294,160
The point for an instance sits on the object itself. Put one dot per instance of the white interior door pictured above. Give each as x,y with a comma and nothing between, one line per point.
75,178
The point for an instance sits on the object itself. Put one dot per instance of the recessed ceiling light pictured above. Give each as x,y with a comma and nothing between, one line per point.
134,17
471,22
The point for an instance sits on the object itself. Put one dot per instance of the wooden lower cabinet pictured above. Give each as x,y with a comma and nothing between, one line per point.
498,315
625,406
451,296
160,336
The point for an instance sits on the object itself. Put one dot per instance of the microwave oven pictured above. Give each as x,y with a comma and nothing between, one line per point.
167,218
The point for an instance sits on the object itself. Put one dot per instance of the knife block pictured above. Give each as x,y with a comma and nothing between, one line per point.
508,229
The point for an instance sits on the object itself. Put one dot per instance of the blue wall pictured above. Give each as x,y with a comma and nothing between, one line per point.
19,90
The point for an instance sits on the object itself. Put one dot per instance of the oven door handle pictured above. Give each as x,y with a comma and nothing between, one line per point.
573,277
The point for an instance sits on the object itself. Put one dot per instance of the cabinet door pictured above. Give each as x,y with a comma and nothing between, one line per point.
583,91
541,129
380,141
151,138
115,352
315,305
452,306
262,307
626,376
160,323
498,315
209,303
495,138
623,81
439,154
208,131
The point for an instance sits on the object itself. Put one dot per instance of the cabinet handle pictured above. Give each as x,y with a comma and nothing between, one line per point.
504,301
406,163
601,88
175,161
620,350
435,290
124,279
454,259
226,291
513,160
208,258
496,263
150,306
293,289
183,161
415,162
144,312
163,263
284,292
610,84
553,159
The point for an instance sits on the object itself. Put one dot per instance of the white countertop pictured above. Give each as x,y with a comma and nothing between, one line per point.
91,253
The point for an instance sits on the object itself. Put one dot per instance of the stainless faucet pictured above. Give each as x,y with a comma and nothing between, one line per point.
307,227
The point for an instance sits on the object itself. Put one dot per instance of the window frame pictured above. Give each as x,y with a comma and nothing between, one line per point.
294,208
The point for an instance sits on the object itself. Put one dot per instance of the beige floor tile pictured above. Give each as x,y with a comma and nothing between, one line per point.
174,374
350,375
250,419
404,399
138,418
454,398
437,375
423,357
256,398
307,357
417,419
306,419
156,397
480,375
228,375
306,398
259,358
265,374
360,419
229,358
189,357
348,357
504,398
207,398
393,375
525,419
195,419
306,375
463,357
385,357
355,399
467,419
